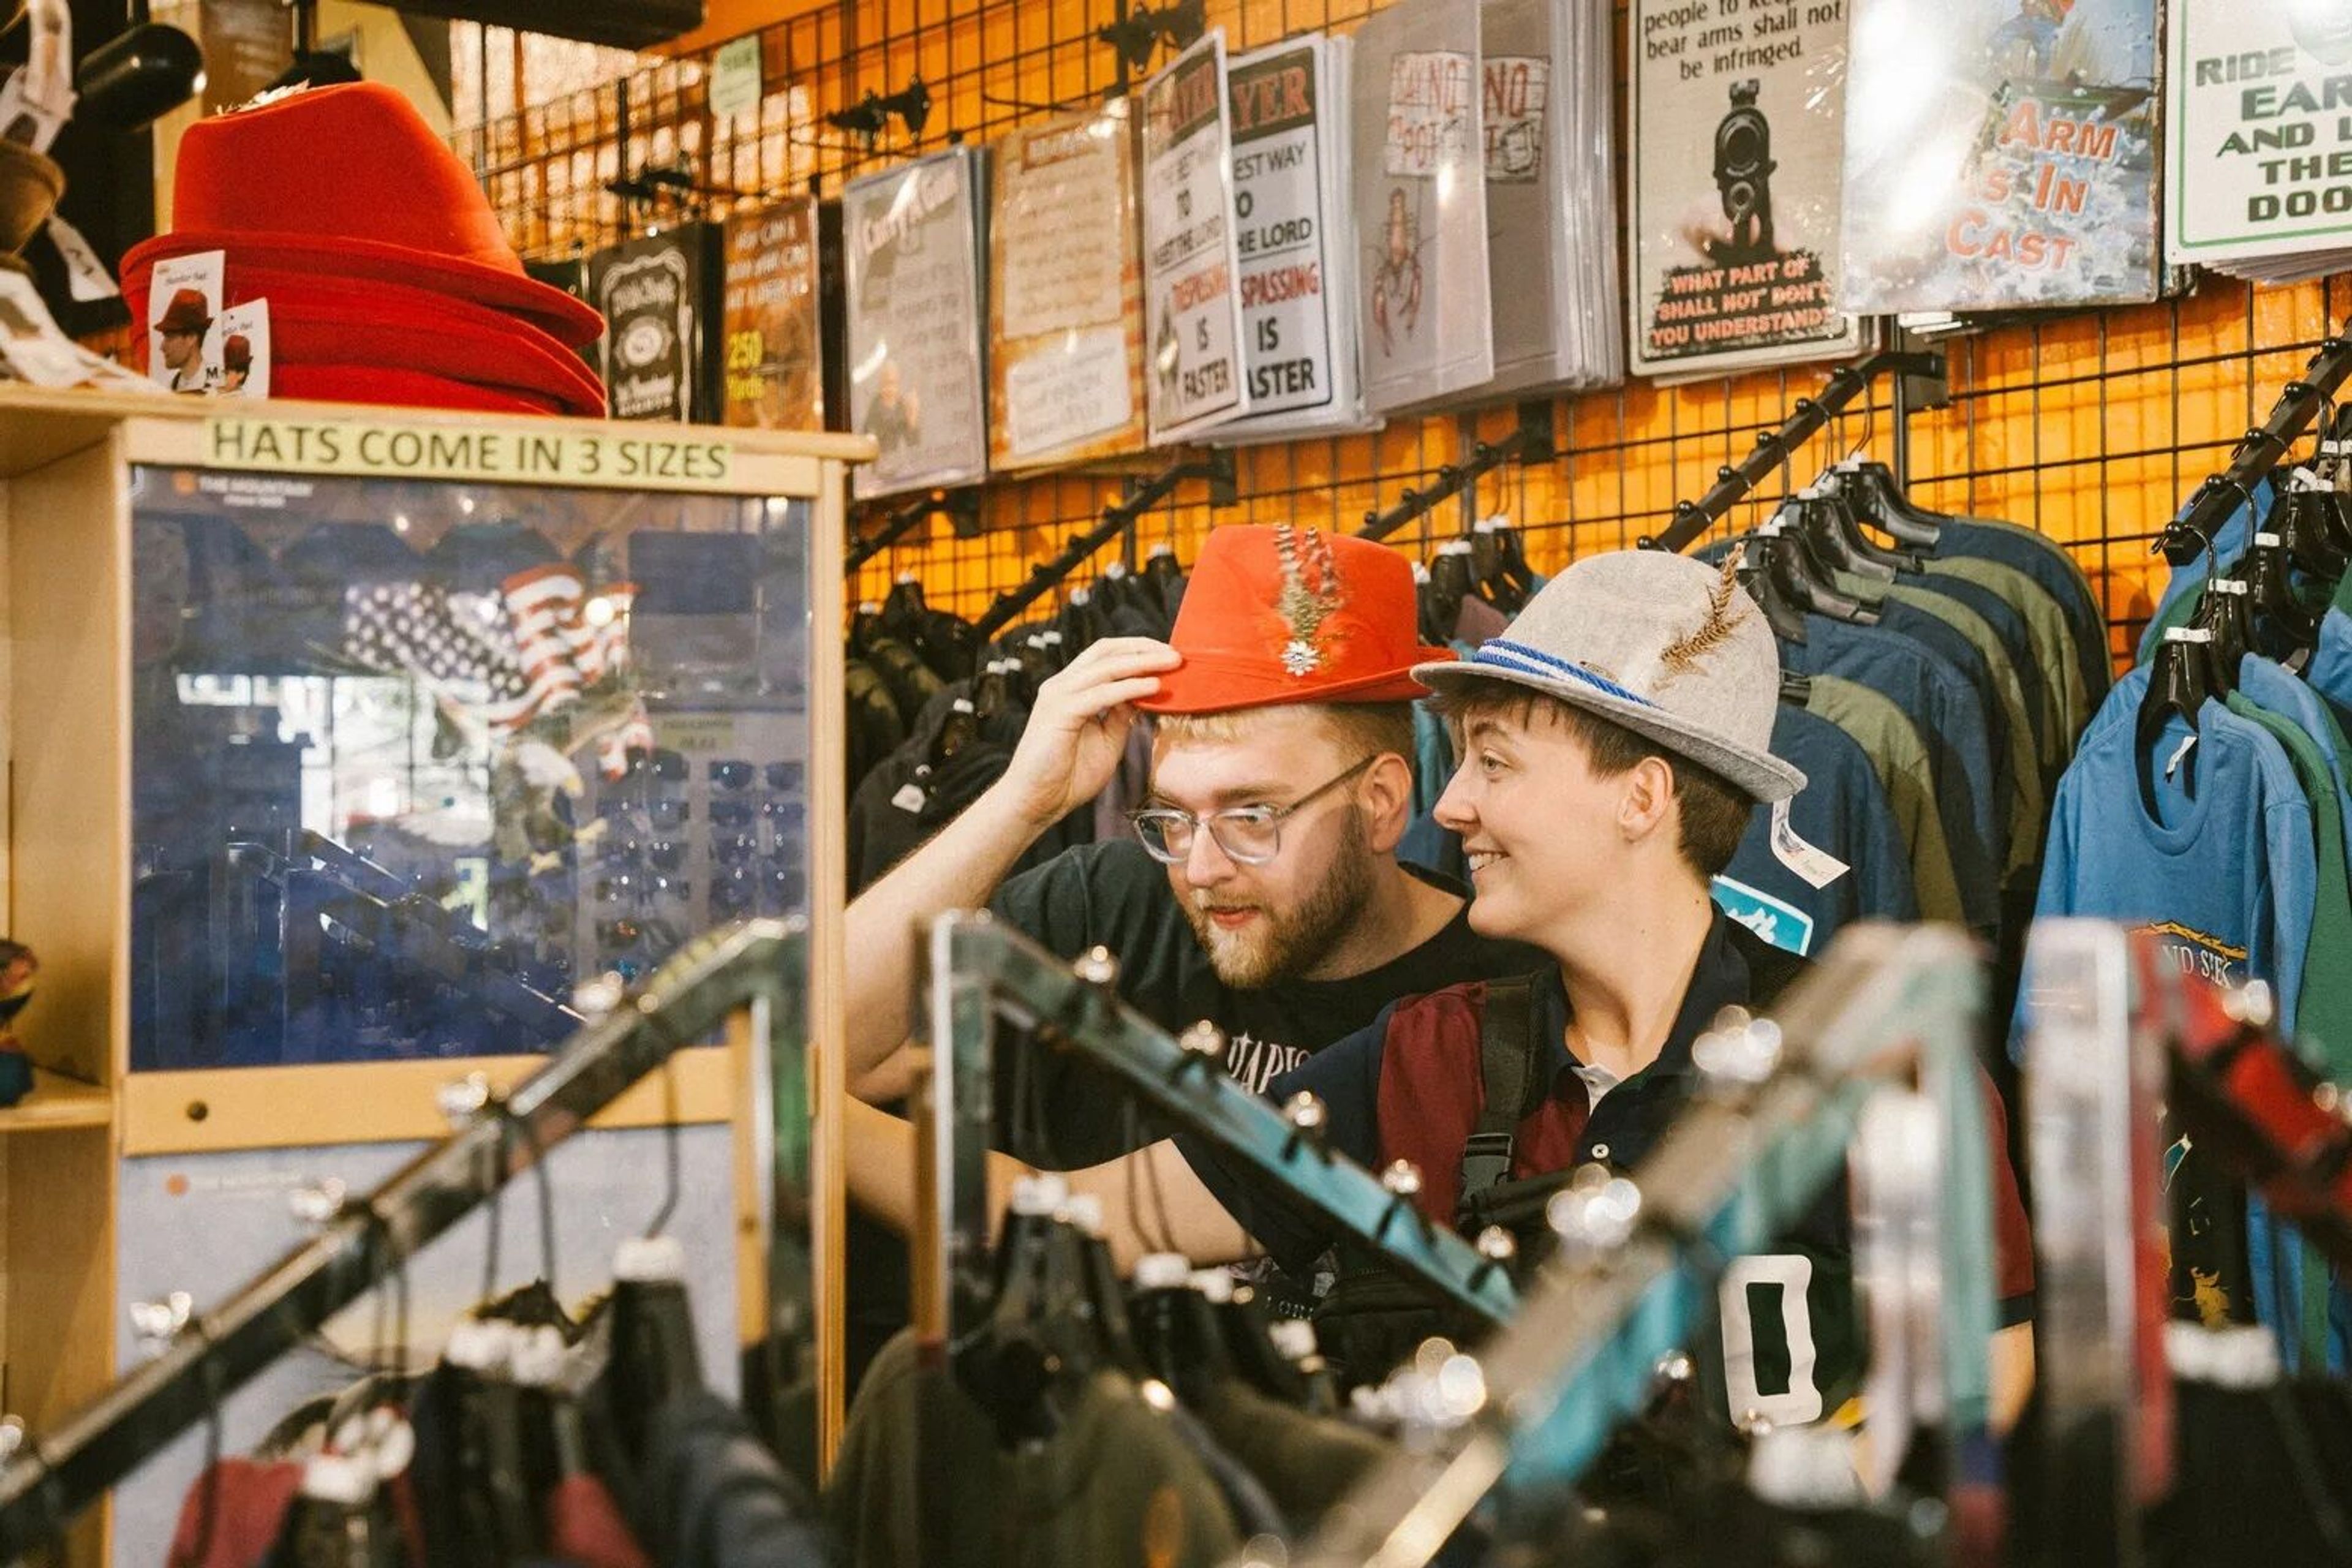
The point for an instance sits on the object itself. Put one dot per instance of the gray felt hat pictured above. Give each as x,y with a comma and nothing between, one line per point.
1669,648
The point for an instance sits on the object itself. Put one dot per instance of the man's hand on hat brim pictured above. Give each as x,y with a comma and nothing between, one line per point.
1078,727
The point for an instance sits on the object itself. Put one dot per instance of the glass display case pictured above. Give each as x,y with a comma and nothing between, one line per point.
412,759
344,749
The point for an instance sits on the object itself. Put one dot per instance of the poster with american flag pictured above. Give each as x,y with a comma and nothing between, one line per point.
499,658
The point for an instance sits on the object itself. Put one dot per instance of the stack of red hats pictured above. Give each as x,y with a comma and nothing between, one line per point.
388,278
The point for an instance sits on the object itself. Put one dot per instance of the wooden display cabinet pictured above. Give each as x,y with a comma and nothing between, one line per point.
71,471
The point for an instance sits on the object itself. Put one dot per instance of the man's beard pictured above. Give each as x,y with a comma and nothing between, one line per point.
1283,947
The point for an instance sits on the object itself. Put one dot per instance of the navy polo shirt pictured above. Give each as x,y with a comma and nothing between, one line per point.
1409,1087
1952,723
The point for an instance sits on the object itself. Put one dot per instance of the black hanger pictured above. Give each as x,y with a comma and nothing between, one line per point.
1037,1329
1441,596
1871,488
1765,581
2226,609
1248,1331
1834,538
991,689
2314,528
1177,1330
311,67
1107,1299
1798,578
903,607
958,731
1504,578
865,627
1165,574
2180,678
654,1354
2283,626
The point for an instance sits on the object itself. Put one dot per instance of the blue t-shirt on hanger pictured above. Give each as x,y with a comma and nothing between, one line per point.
2224,871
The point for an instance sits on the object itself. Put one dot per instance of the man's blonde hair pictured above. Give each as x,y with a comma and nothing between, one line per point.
1366,729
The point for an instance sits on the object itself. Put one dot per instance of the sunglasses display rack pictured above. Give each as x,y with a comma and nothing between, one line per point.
312,713
685,840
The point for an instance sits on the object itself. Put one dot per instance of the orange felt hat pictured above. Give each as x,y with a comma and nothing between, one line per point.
1285,614
350,179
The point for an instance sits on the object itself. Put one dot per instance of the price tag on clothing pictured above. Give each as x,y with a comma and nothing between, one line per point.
1816,865
910,798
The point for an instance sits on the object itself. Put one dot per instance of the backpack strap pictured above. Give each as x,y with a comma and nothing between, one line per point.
1506,1067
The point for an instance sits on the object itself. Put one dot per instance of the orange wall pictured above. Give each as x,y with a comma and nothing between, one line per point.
2088,425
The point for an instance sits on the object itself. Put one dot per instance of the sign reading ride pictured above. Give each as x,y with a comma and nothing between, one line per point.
1191,293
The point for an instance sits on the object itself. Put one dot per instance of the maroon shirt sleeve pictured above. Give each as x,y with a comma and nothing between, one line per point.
2012,1236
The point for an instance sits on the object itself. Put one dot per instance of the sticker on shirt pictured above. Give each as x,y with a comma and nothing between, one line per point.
1783,925
2194,952
1816,865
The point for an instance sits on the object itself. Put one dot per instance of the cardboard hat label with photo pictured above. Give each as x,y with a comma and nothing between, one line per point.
183,301
243,331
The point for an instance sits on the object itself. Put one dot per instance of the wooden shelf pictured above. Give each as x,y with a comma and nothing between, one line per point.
57,1102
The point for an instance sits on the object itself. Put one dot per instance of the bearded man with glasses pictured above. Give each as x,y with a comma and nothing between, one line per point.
1265,895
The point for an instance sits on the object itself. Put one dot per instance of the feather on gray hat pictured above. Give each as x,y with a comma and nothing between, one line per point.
1657,643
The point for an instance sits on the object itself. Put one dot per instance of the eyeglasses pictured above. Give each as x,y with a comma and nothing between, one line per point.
1249,835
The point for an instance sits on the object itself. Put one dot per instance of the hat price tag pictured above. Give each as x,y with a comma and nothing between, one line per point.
239,356
184,297
1816,865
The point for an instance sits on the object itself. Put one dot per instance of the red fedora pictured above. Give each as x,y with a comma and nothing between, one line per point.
387,388
350,180
1287,614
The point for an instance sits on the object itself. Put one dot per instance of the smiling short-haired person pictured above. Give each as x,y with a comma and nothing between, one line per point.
1612,743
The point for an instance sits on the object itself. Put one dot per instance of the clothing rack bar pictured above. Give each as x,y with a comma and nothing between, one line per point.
55,1475
1638,1271
2259,451
1530,443
1217,469
1773,447
961,507
983,971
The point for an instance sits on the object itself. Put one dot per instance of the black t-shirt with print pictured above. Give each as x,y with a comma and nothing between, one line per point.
1114,895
